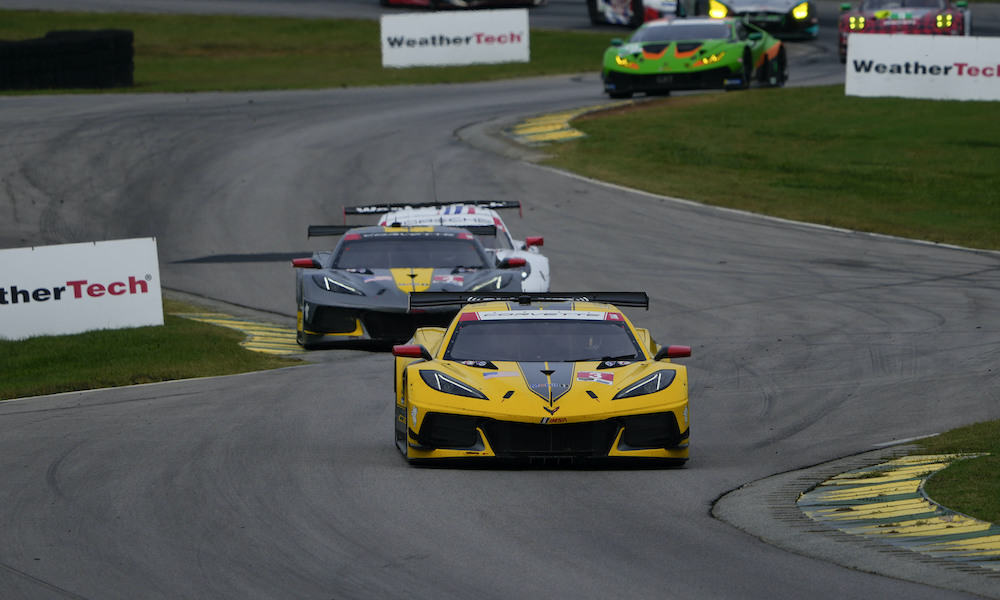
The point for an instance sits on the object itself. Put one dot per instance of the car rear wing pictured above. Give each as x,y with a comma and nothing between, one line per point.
377,209
318,230
438,299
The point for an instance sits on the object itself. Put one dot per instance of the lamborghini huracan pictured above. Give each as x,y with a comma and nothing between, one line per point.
693,53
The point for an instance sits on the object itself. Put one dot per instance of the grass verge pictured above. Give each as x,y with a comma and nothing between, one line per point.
185,53
971,486
180,349
919,169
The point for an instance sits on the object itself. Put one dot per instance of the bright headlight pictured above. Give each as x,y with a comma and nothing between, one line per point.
621,61
801,11
332,285
708,60
716,9
447,385
652,384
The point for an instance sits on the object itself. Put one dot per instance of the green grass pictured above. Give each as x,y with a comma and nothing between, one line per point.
182,53
911,168
970,486
920,169
180,349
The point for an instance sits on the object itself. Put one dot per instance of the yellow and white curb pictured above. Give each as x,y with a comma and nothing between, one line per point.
554,127
887,502
261,337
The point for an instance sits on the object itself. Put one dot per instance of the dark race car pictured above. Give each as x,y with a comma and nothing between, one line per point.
913,17
360,290
784,19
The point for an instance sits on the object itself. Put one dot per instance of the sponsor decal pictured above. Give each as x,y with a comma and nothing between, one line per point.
377,278
596,377
71,288
77,289
553,420
441,39
413,416
494,374
455,279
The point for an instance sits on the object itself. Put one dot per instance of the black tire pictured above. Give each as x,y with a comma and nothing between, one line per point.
776,71
619,95
747,69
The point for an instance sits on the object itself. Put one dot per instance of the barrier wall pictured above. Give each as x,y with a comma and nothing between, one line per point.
68,59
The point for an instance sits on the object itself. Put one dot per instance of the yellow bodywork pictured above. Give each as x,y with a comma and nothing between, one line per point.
510,398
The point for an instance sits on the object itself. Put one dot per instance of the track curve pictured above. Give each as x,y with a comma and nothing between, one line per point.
810,344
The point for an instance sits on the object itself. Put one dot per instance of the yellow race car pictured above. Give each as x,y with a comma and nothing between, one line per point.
544,378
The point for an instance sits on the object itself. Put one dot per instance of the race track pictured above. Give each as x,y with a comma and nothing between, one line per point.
809,344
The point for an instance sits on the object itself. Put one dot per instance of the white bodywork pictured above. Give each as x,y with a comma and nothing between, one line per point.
503,245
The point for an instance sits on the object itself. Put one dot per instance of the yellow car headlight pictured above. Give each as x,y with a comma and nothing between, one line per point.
716,9
708,60
801,11
621,61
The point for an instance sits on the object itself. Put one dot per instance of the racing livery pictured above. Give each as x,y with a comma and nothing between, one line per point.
630,13
693,53
442,4
480,217
550,378
360,289
915,17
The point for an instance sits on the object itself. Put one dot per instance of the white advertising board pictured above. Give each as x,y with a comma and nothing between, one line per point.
71,288
934,67
455,38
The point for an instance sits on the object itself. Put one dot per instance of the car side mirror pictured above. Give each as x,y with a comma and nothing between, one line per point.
845,7
616,42
411,351
673,352
305,263
534,241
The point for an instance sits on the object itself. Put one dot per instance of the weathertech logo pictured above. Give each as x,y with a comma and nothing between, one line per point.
78,289
959,69
476,39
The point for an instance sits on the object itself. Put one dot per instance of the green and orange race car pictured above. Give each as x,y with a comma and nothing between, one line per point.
550,378
695,53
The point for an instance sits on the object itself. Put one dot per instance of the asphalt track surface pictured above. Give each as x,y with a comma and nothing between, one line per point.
810,345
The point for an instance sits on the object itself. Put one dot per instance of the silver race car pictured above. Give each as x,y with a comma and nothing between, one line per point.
479,216
360,289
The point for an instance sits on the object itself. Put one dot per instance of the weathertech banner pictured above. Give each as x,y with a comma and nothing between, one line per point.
455,38
71,288
934,67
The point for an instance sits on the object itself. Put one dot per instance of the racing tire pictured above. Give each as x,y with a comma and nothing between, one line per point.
776,71
747,69
619,95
